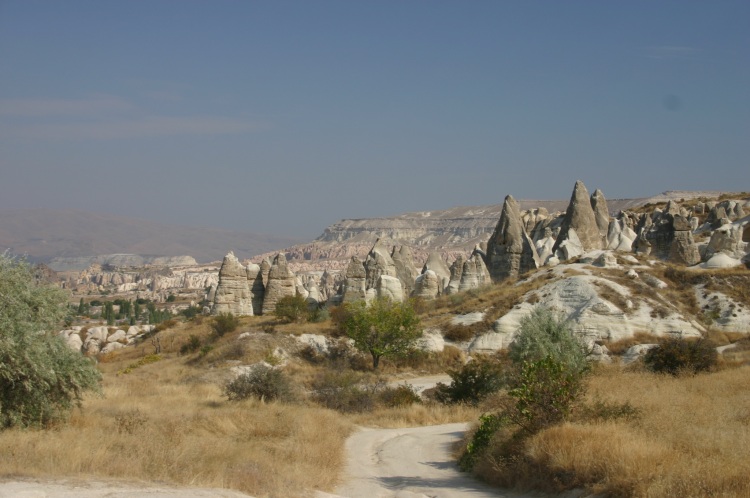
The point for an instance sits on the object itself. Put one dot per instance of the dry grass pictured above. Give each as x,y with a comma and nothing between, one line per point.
619,347
430,413
692,439
155,426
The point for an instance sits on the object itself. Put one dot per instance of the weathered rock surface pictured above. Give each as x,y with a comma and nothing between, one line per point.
354,286
233,292
474,274
457,269
683,251
436,263
510,251
389,287
377,263
580,217
281,283
406,271
428,285
601,213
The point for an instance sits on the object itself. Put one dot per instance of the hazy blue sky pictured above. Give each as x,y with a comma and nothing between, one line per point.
284,117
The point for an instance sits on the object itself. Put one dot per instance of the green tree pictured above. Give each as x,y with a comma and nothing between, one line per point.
382,328
542,334
41,378
291,308
81,307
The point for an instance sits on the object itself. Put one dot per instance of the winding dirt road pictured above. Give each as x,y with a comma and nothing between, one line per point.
410,463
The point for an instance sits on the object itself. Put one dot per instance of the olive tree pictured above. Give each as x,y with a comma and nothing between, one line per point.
382,328
41,378
544,333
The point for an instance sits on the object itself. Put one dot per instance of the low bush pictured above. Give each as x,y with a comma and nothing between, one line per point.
674,356
399,396
224,323
544,334
346,392
263,383
291,308
191,346
473,382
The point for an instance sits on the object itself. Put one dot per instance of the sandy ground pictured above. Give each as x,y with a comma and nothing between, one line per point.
79,488
410,463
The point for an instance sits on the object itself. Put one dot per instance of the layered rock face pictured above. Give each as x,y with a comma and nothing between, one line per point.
437,265
474,274
510,251
281,283
355,285
683,250
377,263
428,285
233,292
257,289
406,271
581,219
457,270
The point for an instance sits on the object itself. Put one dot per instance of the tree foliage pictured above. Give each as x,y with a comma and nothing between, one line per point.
41,378
382,328
224,323
291,308
473,382
542,334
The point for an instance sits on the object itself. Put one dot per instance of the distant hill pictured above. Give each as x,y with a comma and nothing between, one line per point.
43,234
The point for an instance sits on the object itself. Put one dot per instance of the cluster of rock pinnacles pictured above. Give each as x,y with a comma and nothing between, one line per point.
522,241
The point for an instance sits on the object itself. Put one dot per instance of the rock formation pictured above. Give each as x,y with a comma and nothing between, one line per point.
377,263
257,289
389,287
601,213
683,250
510,251
475,273
354,287
281,283
457,269
436,264
406,271
232,292
580,218
428,285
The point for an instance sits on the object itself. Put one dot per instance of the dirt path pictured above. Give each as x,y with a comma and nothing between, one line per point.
410,463
79,488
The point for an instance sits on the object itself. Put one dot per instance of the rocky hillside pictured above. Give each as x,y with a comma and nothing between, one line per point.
451,231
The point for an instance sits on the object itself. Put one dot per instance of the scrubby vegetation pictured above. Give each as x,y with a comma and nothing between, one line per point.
41,379
545,419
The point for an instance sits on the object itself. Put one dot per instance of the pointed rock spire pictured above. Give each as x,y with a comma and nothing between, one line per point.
580,218
601,212
510,251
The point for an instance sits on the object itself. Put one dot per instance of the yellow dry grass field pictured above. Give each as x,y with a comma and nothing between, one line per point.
154,425
691,440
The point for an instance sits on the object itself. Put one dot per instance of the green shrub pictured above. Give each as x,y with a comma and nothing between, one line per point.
41,378
192,345
224,323
489,424
473,382
346,392
677,355
399,396
543,334
263,382
545,391
291,308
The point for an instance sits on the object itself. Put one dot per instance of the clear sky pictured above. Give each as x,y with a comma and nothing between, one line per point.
283,117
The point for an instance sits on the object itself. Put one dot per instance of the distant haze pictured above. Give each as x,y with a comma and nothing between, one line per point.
282,117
